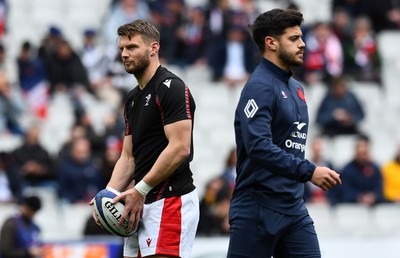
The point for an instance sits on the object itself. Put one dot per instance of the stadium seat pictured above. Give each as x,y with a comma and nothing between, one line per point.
371,97
387,218
74,217
324,220
342,147
10,142
354,219
315,10
389,49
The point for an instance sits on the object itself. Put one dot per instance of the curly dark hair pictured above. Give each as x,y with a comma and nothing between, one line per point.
273,23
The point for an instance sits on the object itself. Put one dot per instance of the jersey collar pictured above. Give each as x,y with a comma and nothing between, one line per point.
278,72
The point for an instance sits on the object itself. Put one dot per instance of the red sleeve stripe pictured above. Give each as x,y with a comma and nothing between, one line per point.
187,102
159,107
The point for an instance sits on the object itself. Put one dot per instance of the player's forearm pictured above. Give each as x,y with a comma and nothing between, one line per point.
168,161
122,174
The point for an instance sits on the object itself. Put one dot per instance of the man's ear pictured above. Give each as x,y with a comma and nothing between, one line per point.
270,43
154,48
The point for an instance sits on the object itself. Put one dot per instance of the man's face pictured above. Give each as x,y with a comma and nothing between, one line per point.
27,213
291,47
362,151
135,54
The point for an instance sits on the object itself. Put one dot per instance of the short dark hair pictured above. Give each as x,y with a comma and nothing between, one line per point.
140,27
273,23
32,202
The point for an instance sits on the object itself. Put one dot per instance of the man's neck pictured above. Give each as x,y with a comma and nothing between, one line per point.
146,76
273,58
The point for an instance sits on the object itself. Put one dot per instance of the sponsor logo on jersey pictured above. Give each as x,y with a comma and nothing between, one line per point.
251,108
292,142
167,83
148,241
299,125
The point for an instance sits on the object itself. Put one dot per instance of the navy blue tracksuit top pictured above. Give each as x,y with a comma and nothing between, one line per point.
271,123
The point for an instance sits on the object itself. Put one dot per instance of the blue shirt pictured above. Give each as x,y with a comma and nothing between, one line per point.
271,124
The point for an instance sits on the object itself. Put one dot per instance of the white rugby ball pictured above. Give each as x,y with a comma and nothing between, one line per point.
110,214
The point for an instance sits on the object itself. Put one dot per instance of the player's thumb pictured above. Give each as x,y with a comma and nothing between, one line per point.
117,197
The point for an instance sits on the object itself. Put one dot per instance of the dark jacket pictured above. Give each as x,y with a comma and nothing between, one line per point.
271,124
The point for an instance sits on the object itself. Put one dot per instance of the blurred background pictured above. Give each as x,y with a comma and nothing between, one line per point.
62,89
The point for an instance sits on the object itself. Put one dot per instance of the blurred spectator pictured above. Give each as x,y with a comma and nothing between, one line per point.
229,173
50,44
353,7
96,139
214,209
361,177
236,57
391,178
218,18
342,24
12,107
33,80
94,59
174,18
340,112
123,11
65,69
158,18
20,235
10,187
323,56
77,131
384,14
250,11
362,61
313,193
79,177
3,18
115,124
195,35
116,75
111,155
6,65
33,163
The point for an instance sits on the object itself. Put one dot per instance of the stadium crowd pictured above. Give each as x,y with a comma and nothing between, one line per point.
212,35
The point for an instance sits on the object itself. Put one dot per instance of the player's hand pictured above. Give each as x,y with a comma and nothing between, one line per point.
134,203
94,214
35,251
325,178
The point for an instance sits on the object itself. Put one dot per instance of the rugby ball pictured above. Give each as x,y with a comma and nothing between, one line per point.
110,214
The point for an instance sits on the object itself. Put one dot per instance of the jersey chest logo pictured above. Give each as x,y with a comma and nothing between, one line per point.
148,97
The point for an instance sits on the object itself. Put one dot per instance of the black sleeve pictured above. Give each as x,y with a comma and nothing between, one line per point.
173,98
8,245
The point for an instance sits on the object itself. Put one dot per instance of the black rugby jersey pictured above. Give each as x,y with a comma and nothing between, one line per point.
165,99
